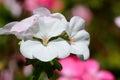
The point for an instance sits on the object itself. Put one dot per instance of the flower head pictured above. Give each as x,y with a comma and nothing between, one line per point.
78,37
41,35
42,26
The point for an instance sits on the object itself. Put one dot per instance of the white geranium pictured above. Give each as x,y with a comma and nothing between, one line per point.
79,38
37,33
23,29
42,25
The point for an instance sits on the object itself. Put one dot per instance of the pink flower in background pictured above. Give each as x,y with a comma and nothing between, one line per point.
33,4
93,72
82,11
6,74
117,21
54,5
18,58
15,62
74,69
58,5
27,70
1,1
13,6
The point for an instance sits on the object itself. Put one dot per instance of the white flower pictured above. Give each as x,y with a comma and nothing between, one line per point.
40,36
117,21
79,38
23,29
42,25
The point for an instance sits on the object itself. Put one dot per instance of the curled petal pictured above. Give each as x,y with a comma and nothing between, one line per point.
25,24
76,24
79,49
42,11
60,17
6,29
82,36
26,28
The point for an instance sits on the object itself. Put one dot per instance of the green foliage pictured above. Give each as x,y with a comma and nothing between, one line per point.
47,67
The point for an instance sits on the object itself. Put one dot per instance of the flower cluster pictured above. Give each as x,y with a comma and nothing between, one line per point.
74,69
46,36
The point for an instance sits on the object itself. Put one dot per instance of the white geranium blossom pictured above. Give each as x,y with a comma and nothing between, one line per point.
37,33
42,25
23,29
79,38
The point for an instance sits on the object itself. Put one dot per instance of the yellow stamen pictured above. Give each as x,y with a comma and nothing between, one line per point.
45,41
72,40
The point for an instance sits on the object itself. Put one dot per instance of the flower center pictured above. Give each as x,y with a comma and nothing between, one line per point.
45,41
72,40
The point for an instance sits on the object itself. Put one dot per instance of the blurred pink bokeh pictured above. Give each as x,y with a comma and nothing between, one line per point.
74,69
82,11
54,5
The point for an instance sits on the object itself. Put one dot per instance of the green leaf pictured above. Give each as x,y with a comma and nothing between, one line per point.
57,65
64,36
49,69
28,62
38,68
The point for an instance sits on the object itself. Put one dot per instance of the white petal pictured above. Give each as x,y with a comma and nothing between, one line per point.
82,36
26,35
50,27
25,24
56,29
26,48
35,49
42,11
54,49
45,53
80,48
7,27
76,24
60,17
26,28
62,47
